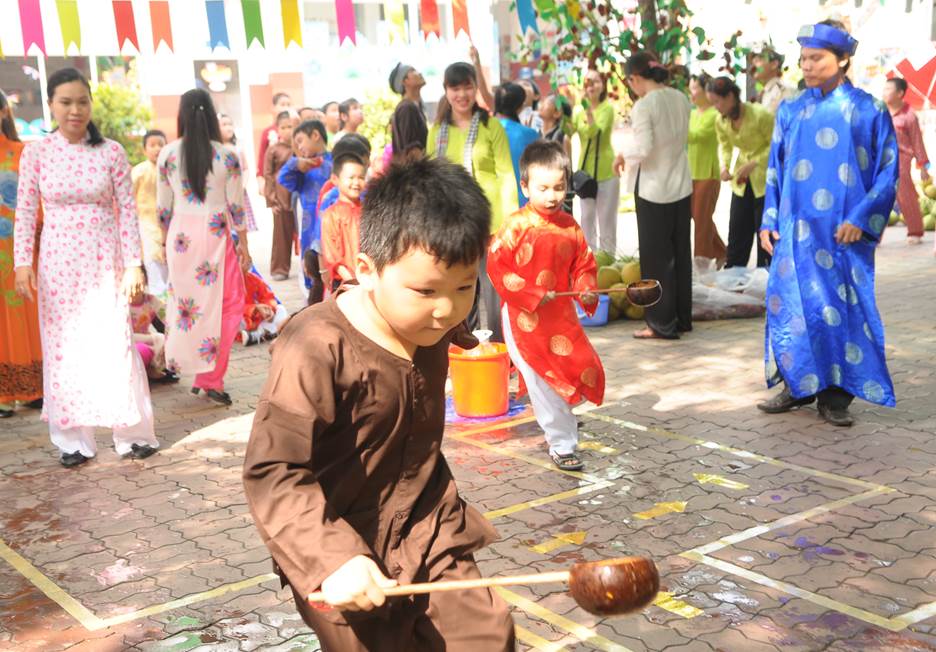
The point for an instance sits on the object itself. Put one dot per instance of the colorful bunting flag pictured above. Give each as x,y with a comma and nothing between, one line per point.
393,10
429,18
347,26
217,24
162,27
545,8
125,24
460,17
68,20
31,26
253,23
527,16
292,27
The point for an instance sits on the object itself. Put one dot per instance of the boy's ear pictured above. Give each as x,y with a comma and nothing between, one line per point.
365,271
524,187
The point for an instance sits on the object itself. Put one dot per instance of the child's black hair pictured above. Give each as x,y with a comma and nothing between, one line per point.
283,115
430,204
545,153
899,83
354,143
154,133
339,161
309,126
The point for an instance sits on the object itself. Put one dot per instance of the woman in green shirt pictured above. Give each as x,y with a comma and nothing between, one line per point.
703,165
464,133
749,128
594,122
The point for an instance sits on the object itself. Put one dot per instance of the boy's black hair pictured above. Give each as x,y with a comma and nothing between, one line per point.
278,96
430,204
328,104
153,133
309,126
355,144
282,115
339,161
545,153
899,83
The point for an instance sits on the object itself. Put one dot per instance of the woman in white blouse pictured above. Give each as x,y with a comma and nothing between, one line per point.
660,122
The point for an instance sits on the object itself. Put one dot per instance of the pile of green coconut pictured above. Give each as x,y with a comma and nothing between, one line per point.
618,272
927,192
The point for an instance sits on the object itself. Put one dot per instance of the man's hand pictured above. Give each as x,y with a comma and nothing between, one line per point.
619,165
725,175
767,238
588,298
549,296
358,585
848,233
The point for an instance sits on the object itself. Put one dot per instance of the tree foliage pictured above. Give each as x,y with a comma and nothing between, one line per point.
121,115
602,35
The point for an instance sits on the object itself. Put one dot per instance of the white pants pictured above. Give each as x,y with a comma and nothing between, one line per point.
553,413
157,277
601,213
81,439
272,326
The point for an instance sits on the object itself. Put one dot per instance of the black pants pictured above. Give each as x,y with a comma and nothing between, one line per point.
666,255
835,398
743,225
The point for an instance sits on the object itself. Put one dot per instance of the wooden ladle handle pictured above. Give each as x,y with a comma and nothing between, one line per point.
461,585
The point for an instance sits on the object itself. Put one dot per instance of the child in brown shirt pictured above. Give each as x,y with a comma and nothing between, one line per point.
278,198
344,473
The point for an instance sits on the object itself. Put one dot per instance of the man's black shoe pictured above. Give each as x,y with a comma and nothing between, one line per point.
784,402
836,416
138,452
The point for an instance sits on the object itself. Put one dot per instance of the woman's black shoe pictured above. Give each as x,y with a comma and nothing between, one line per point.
73,459
35,405
219,397
138,452
6,414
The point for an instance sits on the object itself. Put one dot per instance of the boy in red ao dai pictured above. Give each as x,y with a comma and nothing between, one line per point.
538,252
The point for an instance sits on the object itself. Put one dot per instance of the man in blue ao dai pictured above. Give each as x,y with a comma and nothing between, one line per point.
830,187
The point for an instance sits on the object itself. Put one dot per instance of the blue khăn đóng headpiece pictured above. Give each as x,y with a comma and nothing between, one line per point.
827,37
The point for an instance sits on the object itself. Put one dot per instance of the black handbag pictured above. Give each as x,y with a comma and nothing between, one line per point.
583,184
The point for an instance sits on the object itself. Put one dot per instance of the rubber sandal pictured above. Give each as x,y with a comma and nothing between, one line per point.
567,461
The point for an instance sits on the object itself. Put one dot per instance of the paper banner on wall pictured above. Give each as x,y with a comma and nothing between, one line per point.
68,20
253,23
125,24
527,16
460,17
347,26
393,9
217,24
292,26
162,27
429,18
31,26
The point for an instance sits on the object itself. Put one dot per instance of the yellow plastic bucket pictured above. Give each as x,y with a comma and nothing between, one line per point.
480,380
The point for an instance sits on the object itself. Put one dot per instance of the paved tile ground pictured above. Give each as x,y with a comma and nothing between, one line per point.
771,533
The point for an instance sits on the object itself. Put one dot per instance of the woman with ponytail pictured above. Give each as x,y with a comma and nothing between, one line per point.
20,349
200,198
464,134
89,267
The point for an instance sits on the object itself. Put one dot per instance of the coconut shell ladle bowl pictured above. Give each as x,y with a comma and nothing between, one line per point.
605,588
643,293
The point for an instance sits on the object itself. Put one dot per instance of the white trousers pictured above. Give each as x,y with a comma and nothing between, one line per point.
81,439
599,216
272,326
553,413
